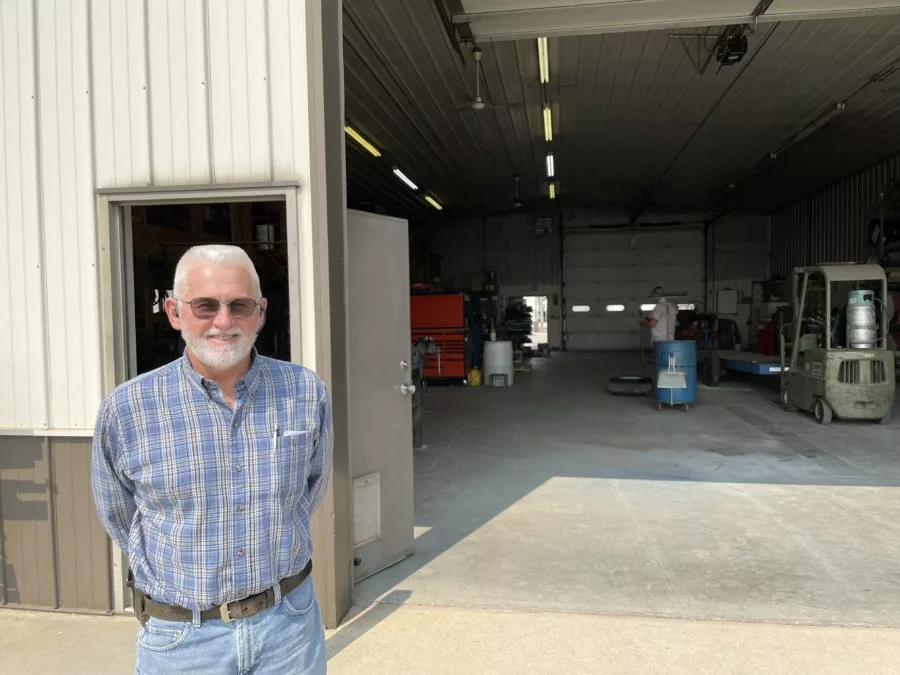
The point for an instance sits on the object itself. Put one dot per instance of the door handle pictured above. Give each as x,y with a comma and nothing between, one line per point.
407,389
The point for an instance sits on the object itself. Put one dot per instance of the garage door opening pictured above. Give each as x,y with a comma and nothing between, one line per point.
609,278
160,235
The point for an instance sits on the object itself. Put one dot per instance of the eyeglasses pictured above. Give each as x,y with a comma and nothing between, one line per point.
208,308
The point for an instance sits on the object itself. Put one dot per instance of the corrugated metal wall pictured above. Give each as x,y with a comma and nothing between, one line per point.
832,224
55,553
122,93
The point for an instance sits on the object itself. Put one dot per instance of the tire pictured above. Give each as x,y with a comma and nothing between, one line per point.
822,411
786,402
630,385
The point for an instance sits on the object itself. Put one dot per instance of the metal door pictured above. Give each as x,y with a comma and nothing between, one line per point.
380,393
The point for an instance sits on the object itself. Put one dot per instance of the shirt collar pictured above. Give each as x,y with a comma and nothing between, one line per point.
249,382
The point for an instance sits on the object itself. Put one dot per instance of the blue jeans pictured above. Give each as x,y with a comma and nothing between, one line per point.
285,638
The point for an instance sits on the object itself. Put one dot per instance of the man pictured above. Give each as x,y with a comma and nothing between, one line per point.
662,321
206,473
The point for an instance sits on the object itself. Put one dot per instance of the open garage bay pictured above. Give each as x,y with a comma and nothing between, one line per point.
556,496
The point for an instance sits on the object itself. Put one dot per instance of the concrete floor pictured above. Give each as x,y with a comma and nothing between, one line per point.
560,529
555,496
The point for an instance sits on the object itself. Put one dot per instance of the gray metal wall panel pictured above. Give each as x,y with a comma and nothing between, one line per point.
82,547
830,225
55,552
25,508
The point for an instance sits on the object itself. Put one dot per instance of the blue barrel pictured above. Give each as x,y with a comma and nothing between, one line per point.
685,352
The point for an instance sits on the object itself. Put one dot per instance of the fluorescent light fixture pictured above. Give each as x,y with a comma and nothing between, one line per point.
648,308
581,309
434,202
551,170
402,176
543,59
615,308
551,191
356,136
817,124
548,123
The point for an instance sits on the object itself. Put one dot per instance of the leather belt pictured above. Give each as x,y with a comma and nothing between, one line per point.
145,607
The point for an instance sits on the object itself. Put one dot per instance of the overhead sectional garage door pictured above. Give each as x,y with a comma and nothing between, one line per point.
608,277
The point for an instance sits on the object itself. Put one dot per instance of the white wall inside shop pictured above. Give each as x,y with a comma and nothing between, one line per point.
529,262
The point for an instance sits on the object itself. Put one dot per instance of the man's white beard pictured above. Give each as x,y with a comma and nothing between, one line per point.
215,355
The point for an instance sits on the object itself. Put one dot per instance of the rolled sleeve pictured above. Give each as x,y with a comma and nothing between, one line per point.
113,490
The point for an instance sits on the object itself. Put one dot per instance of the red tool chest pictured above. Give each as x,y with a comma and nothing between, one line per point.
441,317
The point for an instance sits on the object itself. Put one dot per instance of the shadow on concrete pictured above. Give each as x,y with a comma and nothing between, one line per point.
10,589
363,620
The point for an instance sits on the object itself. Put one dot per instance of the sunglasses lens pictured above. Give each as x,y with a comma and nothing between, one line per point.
205,308
242,308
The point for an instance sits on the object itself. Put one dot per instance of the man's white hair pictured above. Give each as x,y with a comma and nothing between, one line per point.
214,254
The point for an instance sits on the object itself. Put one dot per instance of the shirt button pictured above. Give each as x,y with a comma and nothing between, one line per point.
240,508
240,553
237,468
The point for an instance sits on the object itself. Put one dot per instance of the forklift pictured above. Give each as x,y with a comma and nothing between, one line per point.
835,360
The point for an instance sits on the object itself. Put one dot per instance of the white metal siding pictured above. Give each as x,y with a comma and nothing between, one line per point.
123,93
23,339
620,268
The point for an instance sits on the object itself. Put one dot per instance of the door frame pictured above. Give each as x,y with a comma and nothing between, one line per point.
308,289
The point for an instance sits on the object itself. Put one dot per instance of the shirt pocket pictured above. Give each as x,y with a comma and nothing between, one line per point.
293,448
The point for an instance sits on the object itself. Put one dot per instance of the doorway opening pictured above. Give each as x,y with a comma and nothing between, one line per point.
160,235
539,320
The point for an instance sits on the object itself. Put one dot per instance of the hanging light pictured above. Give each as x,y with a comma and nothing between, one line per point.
356,136
543,60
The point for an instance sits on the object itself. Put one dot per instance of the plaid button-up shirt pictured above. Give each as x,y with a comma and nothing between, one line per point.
212,504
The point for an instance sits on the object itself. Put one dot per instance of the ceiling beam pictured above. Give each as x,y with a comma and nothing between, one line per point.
526,19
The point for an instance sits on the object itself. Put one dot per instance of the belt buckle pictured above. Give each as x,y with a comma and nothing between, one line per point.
225,613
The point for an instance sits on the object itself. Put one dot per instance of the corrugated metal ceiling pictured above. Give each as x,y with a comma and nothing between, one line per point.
632,115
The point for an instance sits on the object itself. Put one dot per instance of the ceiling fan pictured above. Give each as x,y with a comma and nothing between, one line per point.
477,103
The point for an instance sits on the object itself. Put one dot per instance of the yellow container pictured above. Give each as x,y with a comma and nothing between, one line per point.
475,377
